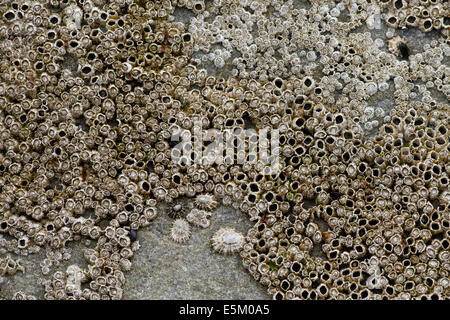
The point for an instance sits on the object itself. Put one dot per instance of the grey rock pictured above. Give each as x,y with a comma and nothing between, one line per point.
163,269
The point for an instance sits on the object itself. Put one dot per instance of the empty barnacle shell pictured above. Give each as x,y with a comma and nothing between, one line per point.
227,241
180,231
399,46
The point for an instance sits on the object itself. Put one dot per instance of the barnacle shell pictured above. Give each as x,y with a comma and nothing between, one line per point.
206,201
74,15
75,276
181,231
177,210
227,241
20,295
199,217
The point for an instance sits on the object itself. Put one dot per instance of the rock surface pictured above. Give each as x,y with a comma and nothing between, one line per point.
163,269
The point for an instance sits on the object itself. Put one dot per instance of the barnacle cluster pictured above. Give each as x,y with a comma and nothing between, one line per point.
92,92
424,14
19,295
181,230
199,217
9,266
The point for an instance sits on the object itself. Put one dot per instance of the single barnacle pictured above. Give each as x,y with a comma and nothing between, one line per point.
227,241
206,201
181,231
404,50
177,210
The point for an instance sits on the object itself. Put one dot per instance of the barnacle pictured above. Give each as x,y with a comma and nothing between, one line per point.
199,217
205,201
227,241
177,210
19,295
10,266
180,231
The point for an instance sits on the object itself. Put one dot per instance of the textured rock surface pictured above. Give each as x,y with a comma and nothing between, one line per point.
163,269
30,281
